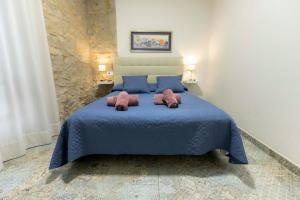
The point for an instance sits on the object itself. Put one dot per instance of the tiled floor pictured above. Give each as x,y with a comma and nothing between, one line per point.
148,177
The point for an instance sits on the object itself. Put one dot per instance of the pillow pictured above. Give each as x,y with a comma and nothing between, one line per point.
135,84
169,82
117,87
152,87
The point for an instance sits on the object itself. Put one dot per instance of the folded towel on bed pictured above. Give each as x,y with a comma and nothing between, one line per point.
122,101
169,99
158,99
133,100
111,101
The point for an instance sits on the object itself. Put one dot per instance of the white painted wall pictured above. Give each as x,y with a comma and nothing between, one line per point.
254,70
187,19
254,57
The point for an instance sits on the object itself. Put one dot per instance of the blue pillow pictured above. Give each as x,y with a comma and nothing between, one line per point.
118,87
169,82
152,87
135,84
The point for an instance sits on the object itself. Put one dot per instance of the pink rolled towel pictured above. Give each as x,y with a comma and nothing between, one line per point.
122,101
133,100
169,99
111,101
158,99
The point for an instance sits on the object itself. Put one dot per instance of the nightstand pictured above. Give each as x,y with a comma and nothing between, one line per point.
104,88
190,82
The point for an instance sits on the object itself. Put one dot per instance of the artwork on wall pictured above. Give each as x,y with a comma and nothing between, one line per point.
151,41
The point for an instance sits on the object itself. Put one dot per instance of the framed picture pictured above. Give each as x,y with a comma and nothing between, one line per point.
151,41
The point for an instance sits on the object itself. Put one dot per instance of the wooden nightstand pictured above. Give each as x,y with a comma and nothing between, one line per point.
104,88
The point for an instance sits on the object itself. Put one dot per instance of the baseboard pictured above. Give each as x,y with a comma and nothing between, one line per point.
281,159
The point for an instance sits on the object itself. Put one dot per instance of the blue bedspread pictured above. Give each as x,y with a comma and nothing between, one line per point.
195,128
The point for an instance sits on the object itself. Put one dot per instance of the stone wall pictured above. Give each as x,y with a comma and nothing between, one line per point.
73,39
102,31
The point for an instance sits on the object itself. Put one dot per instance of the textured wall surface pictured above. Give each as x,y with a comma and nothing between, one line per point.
73,31
102,30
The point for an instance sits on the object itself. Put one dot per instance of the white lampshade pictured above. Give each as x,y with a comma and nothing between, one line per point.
102,68
189,60
191,67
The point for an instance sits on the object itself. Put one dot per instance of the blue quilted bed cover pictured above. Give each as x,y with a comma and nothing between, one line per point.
195,128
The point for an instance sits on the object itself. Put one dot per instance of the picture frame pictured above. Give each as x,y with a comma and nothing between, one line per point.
150,41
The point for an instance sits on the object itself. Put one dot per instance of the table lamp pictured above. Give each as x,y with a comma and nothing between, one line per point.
101,69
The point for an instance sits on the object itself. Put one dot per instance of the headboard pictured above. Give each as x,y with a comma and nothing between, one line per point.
152,66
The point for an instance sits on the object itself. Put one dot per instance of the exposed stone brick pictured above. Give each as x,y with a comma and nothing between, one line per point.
77,30
102,30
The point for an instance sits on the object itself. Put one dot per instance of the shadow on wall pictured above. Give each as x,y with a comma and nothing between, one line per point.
195,89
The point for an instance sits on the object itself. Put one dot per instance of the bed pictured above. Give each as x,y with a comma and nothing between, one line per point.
195,128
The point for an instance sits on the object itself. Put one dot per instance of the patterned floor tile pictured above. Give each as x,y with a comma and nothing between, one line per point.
148,177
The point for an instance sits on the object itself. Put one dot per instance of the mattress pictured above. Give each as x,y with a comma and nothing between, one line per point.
195,128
